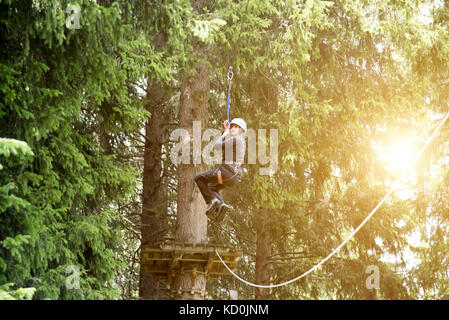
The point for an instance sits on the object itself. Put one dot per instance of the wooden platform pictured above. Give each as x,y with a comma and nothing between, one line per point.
165,259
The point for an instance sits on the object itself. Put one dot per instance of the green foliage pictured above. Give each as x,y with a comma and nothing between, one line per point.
68,110
10,147
205,30
332,77
19,294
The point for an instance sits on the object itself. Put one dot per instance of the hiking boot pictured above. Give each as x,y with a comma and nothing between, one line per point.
213,205
221,212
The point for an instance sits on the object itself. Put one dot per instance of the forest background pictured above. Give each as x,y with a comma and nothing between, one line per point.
91,90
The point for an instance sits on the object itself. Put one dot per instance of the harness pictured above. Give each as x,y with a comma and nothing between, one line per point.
231,178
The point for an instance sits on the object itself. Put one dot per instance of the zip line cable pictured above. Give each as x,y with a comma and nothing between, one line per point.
349,237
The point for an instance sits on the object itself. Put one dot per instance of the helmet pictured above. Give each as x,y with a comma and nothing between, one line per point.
240,122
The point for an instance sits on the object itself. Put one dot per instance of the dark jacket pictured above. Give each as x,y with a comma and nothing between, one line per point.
233,154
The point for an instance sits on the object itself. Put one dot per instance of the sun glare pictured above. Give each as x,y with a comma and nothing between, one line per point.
399,155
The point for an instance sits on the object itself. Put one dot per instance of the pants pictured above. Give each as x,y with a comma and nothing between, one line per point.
210,187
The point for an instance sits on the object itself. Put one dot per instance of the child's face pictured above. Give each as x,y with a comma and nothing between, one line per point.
234,129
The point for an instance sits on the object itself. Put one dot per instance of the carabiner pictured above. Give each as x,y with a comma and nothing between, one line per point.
230,74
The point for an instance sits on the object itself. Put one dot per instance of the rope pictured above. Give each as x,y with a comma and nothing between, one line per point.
349,237
228,103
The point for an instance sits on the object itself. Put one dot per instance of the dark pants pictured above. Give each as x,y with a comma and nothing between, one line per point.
210,187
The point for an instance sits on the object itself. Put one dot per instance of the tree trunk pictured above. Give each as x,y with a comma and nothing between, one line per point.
154,195
191,218
263,253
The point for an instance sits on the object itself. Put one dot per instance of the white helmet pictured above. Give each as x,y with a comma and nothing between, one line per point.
240,122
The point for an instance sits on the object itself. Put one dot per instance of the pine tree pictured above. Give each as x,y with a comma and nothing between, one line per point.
69,94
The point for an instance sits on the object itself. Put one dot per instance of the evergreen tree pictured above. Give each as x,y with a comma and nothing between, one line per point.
90,91
68,93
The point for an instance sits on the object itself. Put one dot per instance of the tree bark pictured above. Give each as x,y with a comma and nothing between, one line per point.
191,218
263,253
154,195
191,207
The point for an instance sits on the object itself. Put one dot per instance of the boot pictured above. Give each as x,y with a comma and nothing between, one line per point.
221,212
213,205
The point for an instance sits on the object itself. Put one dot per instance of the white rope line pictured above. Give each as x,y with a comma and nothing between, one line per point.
349,237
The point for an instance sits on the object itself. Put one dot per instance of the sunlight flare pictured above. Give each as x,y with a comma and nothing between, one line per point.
400,155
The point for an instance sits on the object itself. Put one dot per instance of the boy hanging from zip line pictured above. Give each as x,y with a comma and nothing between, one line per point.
232,145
